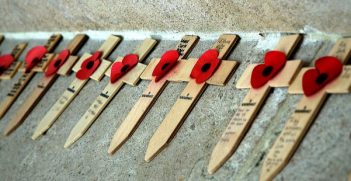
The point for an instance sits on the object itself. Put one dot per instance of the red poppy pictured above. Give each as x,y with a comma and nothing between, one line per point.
5,62
121,68
55,65
274,61
326,70
168,60
205,66
34,56
89,66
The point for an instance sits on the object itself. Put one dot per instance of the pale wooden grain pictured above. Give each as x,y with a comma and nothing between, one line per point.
100,103
12,70
306,111
150,95
252,103
39,91
188,98
72,91
25,78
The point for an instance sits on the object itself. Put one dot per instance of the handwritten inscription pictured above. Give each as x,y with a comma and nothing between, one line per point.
182,46
187,97
239,119
95,108
222,42
304,110
52,41
288,137
17,86
340,53
148,95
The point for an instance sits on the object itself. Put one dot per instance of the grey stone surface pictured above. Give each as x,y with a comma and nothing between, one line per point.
182,15
325,153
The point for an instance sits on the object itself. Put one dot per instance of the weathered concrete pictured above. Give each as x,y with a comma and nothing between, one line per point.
180,15
325,153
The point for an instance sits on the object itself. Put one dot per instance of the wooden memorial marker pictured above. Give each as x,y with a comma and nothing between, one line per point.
152,92
131,75
308,107
274,62
87,67
60,65
11,71
203,72
29,71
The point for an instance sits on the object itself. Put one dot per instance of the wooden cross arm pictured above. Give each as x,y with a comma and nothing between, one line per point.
133,76
66,68
181,72
342,84
282,79
99,72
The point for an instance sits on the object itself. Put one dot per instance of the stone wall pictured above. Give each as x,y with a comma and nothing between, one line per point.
181,15
325,153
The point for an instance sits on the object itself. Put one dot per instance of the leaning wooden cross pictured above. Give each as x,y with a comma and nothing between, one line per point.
208,69
126,69
276,71
168,67
60,65
88,66
36,60
9,63
327,77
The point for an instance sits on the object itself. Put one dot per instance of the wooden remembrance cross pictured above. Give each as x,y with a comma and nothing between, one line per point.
208,69
62,63
9,73
152,92
253,101
38,66
307,109
131,75
88,66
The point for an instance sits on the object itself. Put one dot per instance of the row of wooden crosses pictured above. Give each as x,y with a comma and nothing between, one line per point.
329,75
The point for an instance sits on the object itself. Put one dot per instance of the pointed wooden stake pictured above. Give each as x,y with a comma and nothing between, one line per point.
149,96
17,88
44,85
12,70
188,98
306,111
252,103
74,88
110,91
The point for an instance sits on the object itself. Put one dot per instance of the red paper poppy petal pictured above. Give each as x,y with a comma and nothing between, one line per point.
274,62
6,61
89,66
56,64
34,56
206,65
168,60
326,70
121,68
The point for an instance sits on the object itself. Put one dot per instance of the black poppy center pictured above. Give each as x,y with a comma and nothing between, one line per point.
321,78
90,65
165,66
267,71
124,68
205,67
57,63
